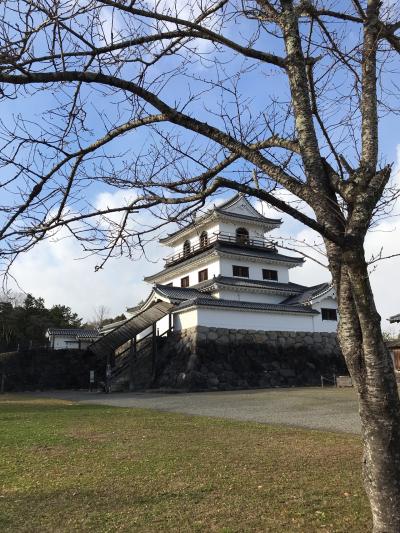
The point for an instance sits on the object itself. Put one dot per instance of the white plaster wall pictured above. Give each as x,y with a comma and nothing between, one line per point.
163,324
193,273
229,227
328,326
255,268
62,343
243,296
194,236
218,227
240,319
144,333
186,319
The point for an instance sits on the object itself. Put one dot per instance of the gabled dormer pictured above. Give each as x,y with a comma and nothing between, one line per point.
236,222
232,214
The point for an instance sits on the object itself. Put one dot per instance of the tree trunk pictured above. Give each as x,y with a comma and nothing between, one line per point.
371,368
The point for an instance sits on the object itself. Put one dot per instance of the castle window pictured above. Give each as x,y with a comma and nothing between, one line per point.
240,271
270,274
203,239
329,314
185,282
186,248
242,236
203,275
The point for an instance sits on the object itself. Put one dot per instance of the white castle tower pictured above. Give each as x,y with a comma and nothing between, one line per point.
224,273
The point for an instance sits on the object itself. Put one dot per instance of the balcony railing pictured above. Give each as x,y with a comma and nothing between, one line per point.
229,238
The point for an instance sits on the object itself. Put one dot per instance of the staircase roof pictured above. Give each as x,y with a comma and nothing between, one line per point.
139,322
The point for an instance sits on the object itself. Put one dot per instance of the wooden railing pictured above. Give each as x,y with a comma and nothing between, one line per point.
220,237
142,349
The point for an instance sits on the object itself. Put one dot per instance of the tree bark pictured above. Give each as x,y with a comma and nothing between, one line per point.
371,368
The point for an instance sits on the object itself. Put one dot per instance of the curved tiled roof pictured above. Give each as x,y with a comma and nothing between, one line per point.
309,294
74,332
236,304
226,247
252,284
394,318
178,293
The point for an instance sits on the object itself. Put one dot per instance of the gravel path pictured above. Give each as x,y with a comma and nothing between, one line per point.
325,409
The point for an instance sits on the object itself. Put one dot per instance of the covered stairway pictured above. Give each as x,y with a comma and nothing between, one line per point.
121,365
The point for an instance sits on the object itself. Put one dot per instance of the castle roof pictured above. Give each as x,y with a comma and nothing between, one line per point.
76,333
311,293
275,286
236,209
191,297
256,306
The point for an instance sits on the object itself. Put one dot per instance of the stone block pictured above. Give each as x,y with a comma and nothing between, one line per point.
212,381
287,372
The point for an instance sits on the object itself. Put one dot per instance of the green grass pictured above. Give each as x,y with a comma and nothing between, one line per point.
66,467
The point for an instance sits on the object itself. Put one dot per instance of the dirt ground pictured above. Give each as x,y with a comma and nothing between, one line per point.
325,409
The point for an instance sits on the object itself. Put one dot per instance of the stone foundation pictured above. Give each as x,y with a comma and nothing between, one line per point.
205,358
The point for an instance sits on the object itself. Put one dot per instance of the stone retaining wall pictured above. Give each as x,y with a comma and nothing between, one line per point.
205,358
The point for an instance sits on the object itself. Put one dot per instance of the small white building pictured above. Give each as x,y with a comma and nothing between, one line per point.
224,273
71,338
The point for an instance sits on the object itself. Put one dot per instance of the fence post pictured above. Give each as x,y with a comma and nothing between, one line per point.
91,380
322,382
3,379
132,360
154,351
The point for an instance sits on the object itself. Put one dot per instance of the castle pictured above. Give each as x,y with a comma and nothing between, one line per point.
223,313
224,273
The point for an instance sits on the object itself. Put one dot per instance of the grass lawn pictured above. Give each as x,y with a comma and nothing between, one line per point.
66,467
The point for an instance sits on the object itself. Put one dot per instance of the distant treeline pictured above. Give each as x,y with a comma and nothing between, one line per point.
24,326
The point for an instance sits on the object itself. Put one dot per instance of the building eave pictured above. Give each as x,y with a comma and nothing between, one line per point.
394,319
249,285
244,306
277,260
181,268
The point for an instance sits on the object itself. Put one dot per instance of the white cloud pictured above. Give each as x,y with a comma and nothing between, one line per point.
189,11
58,271
111,25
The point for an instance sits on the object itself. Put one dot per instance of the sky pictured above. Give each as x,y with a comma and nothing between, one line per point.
57,270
